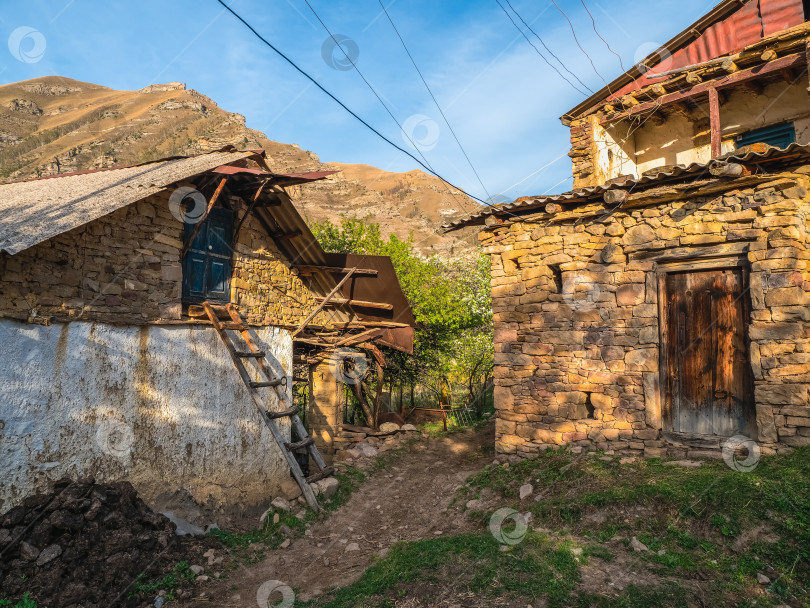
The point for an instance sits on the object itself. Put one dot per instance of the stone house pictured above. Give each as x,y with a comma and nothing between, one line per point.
662,306
108,369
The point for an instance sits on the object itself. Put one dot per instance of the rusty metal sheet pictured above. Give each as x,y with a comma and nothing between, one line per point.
755,20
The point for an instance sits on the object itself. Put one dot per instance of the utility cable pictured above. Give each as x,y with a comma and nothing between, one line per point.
553,67
546,47
593,22
341,104
433,97
374,91
584,52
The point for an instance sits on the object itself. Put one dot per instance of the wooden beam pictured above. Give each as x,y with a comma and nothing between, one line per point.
714,120
795,60
196,230
249,210
323,303
286,235
369,334
362,304
368,272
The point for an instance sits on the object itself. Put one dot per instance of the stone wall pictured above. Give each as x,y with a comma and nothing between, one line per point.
125,268
576,317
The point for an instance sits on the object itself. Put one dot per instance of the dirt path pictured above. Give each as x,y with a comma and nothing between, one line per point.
410,500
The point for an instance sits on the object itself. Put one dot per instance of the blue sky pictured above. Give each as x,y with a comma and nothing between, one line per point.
501,99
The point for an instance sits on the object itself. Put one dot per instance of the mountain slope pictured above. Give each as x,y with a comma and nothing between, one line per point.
56,125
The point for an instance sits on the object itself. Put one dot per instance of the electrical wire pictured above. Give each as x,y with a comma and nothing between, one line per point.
593,22
546,47
553,67
341,104
571,25
433,97
380,99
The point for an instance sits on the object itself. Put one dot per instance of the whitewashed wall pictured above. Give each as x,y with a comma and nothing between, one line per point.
162,407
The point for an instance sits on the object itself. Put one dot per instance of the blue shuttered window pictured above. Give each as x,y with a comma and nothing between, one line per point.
780,136
207,265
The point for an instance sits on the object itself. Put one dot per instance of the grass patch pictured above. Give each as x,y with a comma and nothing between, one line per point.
180,575
25,602
710,520
467,563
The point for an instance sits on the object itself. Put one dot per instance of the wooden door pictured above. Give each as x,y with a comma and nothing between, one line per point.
707,373
207,265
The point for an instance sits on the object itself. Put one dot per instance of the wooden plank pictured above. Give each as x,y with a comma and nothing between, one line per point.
369,334
714,122
324,302
692,253
361,304
360,272
196,230
702,88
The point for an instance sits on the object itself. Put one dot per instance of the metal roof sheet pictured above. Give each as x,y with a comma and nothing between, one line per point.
758,153
36,210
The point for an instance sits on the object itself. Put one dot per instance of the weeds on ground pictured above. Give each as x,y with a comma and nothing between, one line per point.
179,576
269,535
710,522
25,602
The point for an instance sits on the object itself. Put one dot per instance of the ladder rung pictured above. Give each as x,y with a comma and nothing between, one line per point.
300,444
266,383
283,413
249,353
325,473
234,326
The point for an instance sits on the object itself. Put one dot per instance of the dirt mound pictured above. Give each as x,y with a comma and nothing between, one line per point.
83,545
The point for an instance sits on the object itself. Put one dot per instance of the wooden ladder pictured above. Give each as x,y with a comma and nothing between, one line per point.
236,324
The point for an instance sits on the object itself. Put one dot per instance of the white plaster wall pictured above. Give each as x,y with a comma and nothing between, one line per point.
162,407
615,151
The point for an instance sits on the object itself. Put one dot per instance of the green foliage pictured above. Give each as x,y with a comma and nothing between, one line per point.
25,602
450,300
180,575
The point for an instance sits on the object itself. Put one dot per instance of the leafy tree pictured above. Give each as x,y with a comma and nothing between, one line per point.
450,300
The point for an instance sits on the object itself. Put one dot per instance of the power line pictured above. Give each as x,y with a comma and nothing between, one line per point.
593,22
433,97
553,67
374,91
340,103
546,47
571,25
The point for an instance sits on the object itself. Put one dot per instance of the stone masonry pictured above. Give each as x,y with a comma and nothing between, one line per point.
576,315
125,268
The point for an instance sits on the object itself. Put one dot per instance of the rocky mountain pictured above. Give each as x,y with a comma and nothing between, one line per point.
56,125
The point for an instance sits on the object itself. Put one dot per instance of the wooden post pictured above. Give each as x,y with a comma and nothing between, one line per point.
714,120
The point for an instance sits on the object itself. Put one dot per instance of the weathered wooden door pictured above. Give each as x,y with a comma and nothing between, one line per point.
707,372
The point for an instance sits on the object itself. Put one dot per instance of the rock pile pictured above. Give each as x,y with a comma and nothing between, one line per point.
83,545
357,444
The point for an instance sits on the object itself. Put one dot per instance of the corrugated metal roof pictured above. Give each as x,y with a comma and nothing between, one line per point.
727,28
36,210
758,153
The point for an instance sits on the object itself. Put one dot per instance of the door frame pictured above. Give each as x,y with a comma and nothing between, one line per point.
664,268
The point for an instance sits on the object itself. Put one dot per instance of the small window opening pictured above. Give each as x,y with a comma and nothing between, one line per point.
780,136
557,274
589,406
